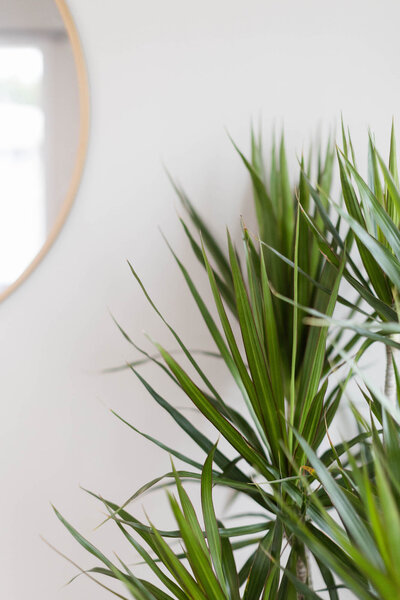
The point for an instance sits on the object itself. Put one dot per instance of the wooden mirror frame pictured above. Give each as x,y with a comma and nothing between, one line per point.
83,91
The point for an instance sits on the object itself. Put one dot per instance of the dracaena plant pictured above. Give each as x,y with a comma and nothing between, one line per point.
281,364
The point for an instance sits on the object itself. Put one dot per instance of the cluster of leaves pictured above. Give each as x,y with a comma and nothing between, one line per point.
339,506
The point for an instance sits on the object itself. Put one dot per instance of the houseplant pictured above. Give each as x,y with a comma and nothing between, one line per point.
283,367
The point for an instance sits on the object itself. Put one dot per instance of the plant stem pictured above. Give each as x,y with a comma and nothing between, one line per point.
390,386
303,572
391,356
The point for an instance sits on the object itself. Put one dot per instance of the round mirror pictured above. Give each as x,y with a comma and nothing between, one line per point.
43,130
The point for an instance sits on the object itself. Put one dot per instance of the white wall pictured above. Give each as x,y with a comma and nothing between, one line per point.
166,77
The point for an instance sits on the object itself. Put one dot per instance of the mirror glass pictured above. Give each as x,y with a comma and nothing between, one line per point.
39,129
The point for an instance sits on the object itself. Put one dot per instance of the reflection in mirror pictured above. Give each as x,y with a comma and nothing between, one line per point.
39,128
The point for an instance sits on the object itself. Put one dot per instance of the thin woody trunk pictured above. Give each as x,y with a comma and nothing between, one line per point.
303,572
390,387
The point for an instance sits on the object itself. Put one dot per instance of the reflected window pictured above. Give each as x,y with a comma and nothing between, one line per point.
22,173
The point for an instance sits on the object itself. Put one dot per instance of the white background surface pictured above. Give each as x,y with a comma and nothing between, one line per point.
166,78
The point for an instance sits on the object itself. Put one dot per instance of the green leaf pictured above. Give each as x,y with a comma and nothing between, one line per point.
176,568
229,568
210,520
231,434
389,229
259,569
266,407
251,398
367,245
346,511
198,560
315,351
384,260
208,237
189,513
